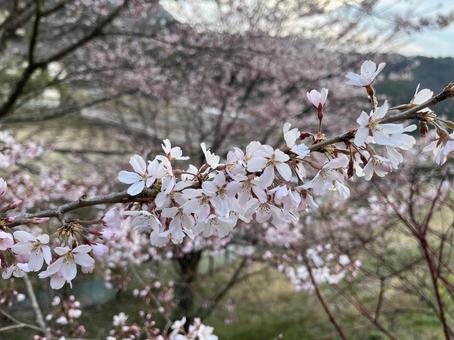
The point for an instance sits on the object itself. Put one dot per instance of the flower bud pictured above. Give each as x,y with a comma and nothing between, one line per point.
13,205
363,159
350,170
304,135
423,127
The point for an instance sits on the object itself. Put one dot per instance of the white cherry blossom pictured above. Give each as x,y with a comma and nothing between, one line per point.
330,177
215,226
3,187
421,96
290,137
17,270
65,267
245,186
6,240
378,165
441,148
141,178
35,248
217,193
372,131
317,99
369,71
173,152
180,223
198,203
211,159
267,159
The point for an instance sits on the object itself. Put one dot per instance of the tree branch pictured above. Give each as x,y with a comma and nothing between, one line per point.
412,113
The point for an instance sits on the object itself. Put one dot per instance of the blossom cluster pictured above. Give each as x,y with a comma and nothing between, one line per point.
65,315
123,330
265,184
326,268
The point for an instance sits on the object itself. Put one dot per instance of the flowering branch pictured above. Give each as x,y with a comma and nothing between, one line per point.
124,197
412,113
259,184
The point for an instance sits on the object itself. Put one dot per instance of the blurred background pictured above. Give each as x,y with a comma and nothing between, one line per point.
84,84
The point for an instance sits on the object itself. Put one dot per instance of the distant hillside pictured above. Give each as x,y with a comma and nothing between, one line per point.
403,74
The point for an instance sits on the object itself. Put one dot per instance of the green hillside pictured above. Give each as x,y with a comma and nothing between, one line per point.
433,73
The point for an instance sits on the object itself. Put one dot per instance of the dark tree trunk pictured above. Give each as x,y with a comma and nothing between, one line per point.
184,293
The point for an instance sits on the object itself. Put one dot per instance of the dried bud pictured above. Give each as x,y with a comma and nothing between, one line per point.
363,159
423,127
304,135
449,90
350,170
70,230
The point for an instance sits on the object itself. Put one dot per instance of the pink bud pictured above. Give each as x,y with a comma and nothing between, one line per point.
16,203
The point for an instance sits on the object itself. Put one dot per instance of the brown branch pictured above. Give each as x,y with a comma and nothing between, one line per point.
412,113
35,305
433,276
116,197
322,301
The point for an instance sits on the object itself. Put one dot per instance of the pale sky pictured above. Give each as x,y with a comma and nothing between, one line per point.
438,43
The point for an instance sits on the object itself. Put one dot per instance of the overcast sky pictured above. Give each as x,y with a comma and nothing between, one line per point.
432,43
438,43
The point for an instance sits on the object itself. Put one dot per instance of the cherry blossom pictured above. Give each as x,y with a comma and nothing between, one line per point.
3,187
99,250
267,159
64,268
422,96
369,71
378,165
36,248
211,159
330,177
16,270
441,147
119,319
6,240
217,193
290,137
317,99
141,178
112,220
215,226
173,152
180,223
371,131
